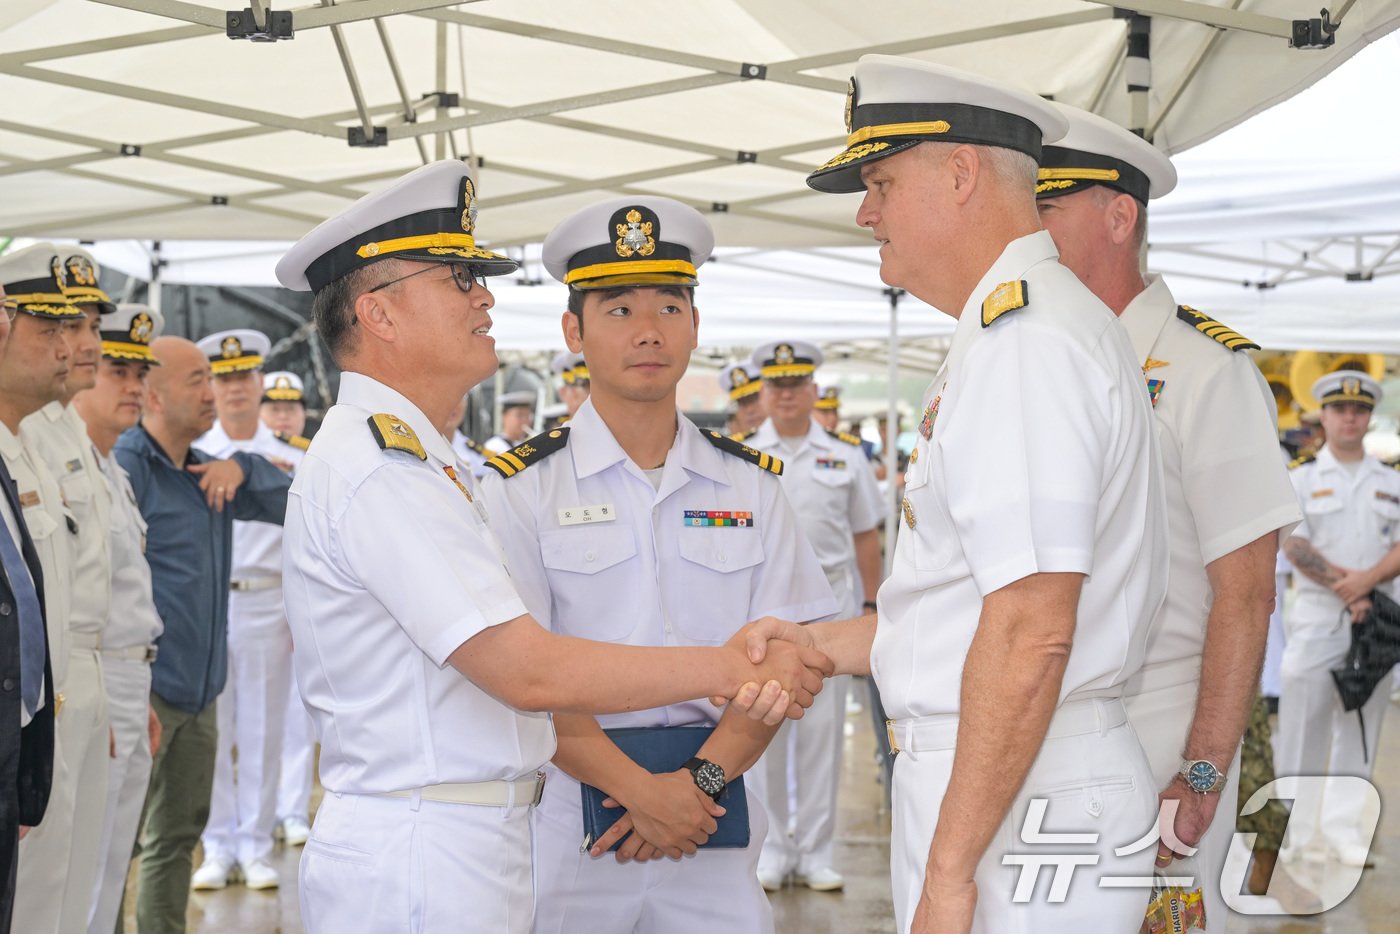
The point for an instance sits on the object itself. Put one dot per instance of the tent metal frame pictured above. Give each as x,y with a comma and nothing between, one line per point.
398,115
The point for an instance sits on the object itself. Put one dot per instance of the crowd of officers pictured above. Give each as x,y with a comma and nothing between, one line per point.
520,655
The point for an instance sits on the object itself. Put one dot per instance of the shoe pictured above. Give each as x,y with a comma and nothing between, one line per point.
295,831
825,879
770,879
1354,854
213,874
259,875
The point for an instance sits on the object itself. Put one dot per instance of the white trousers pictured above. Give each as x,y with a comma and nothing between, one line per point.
128,700
396,864
798,778
243,805
1270,679
58,859
712,890
1161,717
1095,782
298,758
1317,737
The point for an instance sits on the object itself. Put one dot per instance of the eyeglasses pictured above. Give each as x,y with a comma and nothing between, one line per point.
463,275
11,308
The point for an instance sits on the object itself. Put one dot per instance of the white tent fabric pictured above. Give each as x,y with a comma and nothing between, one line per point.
725,104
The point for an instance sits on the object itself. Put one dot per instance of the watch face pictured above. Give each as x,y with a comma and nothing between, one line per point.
709,778
1202,776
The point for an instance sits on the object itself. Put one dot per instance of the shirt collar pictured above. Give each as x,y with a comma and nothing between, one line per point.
53,411
1147,314
594,449
9,443
767,436
368,393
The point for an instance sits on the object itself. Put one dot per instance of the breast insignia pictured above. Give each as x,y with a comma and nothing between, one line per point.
509,463
1300,461
393,434
1006,297
296,441
1214,329
742,451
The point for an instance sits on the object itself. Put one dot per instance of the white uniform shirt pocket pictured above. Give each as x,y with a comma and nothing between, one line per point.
588,568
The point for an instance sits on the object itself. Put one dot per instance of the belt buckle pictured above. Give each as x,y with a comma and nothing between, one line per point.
151,652
238,586
539,788
890,736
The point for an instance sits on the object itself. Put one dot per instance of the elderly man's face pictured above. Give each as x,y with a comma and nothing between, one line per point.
440,329
181,388
906,207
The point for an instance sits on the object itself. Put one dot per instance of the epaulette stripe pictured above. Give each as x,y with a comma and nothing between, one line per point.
501,467
510,458
1300,461
1215,330
740,450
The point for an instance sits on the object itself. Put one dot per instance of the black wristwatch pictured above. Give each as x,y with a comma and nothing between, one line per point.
709,777
870,605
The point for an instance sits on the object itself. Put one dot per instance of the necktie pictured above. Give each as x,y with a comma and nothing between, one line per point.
31,620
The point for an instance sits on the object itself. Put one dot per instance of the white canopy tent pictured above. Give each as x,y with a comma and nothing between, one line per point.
123,126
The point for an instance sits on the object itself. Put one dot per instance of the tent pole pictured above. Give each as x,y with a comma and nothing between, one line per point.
440,82
153,293
890,454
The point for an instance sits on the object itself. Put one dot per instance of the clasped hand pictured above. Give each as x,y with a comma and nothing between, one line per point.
787,670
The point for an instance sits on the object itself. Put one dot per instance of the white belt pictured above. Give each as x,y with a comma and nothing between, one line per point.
497,794
1164,675
92,641
1073,718
256,583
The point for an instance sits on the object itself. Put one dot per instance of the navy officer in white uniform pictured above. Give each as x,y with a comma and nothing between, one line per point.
839,507
1033,552
643,473
1228,495
415,656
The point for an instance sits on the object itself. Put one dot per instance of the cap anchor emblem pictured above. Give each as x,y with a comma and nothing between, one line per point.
635,236
141,328
231,347
469,211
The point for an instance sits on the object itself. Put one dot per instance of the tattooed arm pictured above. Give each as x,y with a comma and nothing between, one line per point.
1308,561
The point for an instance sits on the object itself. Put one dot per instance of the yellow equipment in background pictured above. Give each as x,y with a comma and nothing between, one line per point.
1311,365
1276,366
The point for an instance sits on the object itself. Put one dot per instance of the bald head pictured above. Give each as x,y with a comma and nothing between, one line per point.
179,392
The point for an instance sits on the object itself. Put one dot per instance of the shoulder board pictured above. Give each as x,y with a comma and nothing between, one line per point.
1214,329
393,434
296,441
742,436
509,463
473,446
742,451
846,437
1300,461
1006,297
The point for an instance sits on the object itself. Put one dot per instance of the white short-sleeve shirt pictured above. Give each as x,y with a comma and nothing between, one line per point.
1217,429
834,493
1351,518
257,546
389,567
686,563
58,435
134,621
1035,454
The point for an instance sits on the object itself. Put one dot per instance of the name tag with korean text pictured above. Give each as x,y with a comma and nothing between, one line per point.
581,515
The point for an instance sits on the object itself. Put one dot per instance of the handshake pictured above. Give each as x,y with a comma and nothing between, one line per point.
780,670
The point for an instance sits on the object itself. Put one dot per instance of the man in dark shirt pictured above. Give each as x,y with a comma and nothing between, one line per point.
183,497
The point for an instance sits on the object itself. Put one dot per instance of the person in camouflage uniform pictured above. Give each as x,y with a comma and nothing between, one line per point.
1269,822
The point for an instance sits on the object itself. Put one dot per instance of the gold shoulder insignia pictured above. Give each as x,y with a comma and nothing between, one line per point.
296,441
742,436
1300,461
1006,297
393,434
509,463
473,446
742,451
1214,329
846,437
